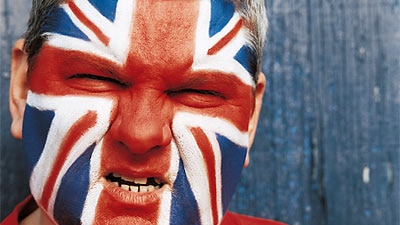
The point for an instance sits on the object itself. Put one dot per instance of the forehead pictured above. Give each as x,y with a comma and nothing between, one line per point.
202,35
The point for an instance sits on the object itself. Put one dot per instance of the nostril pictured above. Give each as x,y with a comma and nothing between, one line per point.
142,124
167,135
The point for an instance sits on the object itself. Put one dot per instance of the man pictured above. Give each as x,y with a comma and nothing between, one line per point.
136,111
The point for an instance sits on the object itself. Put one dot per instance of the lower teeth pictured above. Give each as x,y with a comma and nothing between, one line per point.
140,188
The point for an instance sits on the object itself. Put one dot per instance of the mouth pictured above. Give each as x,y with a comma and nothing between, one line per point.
138,185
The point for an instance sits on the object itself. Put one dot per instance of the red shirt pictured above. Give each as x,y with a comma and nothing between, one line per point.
22,210
28,205
231,218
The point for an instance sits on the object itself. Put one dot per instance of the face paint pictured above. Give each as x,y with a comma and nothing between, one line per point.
138,112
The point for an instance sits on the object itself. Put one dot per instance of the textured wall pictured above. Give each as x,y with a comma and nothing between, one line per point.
13,178
327,150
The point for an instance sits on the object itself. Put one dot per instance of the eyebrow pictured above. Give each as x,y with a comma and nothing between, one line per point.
106,68
204,77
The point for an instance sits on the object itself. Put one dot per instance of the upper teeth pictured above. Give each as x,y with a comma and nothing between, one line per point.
136,180
135,184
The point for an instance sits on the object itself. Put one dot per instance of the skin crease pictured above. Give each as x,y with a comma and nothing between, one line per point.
128,119
18,99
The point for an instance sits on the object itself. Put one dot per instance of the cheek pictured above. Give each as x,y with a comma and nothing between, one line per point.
223,160
59,136
212,151
233,157
236,110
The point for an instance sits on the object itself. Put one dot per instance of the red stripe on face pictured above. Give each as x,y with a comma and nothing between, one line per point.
76,131
225,40
81,16
209,158
163,37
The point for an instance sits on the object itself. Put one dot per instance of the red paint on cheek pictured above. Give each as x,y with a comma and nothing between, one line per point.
237,104
73,135
209,157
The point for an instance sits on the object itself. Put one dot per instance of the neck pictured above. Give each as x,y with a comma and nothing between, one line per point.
37,217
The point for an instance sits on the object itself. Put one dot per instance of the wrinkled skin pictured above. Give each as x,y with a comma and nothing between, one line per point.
146,90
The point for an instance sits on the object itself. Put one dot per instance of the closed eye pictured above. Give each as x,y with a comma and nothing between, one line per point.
197,98
99,78
96,77
96,83
195,91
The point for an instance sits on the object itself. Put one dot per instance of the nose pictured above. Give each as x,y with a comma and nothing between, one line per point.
142,123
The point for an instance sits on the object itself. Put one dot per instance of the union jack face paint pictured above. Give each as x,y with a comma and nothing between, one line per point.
138,112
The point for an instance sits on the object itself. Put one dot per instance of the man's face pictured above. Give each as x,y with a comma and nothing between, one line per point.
138,112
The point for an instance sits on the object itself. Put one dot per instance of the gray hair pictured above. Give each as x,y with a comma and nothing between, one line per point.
255,17
253,12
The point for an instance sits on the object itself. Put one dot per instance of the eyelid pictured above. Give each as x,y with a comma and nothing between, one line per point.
98,77
196,91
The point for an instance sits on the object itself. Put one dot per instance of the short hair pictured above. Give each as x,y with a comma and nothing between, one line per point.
253,12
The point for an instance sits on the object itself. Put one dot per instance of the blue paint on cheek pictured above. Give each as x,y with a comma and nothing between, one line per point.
34,132
233,157
73,190
184,209
221,12
106,8
247,59
60,23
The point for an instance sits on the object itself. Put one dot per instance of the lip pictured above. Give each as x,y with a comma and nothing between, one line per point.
152,164
134,198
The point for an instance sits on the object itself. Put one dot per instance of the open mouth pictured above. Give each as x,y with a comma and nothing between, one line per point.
135,184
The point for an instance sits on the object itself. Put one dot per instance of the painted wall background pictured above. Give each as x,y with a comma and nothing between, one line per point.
327,150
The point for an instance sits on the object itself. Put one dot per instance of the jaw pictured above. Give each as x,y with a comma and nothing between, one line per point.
108,203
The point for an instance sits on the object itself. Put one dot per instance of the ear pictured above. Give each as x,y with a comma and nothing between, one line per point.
260,87
18,87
